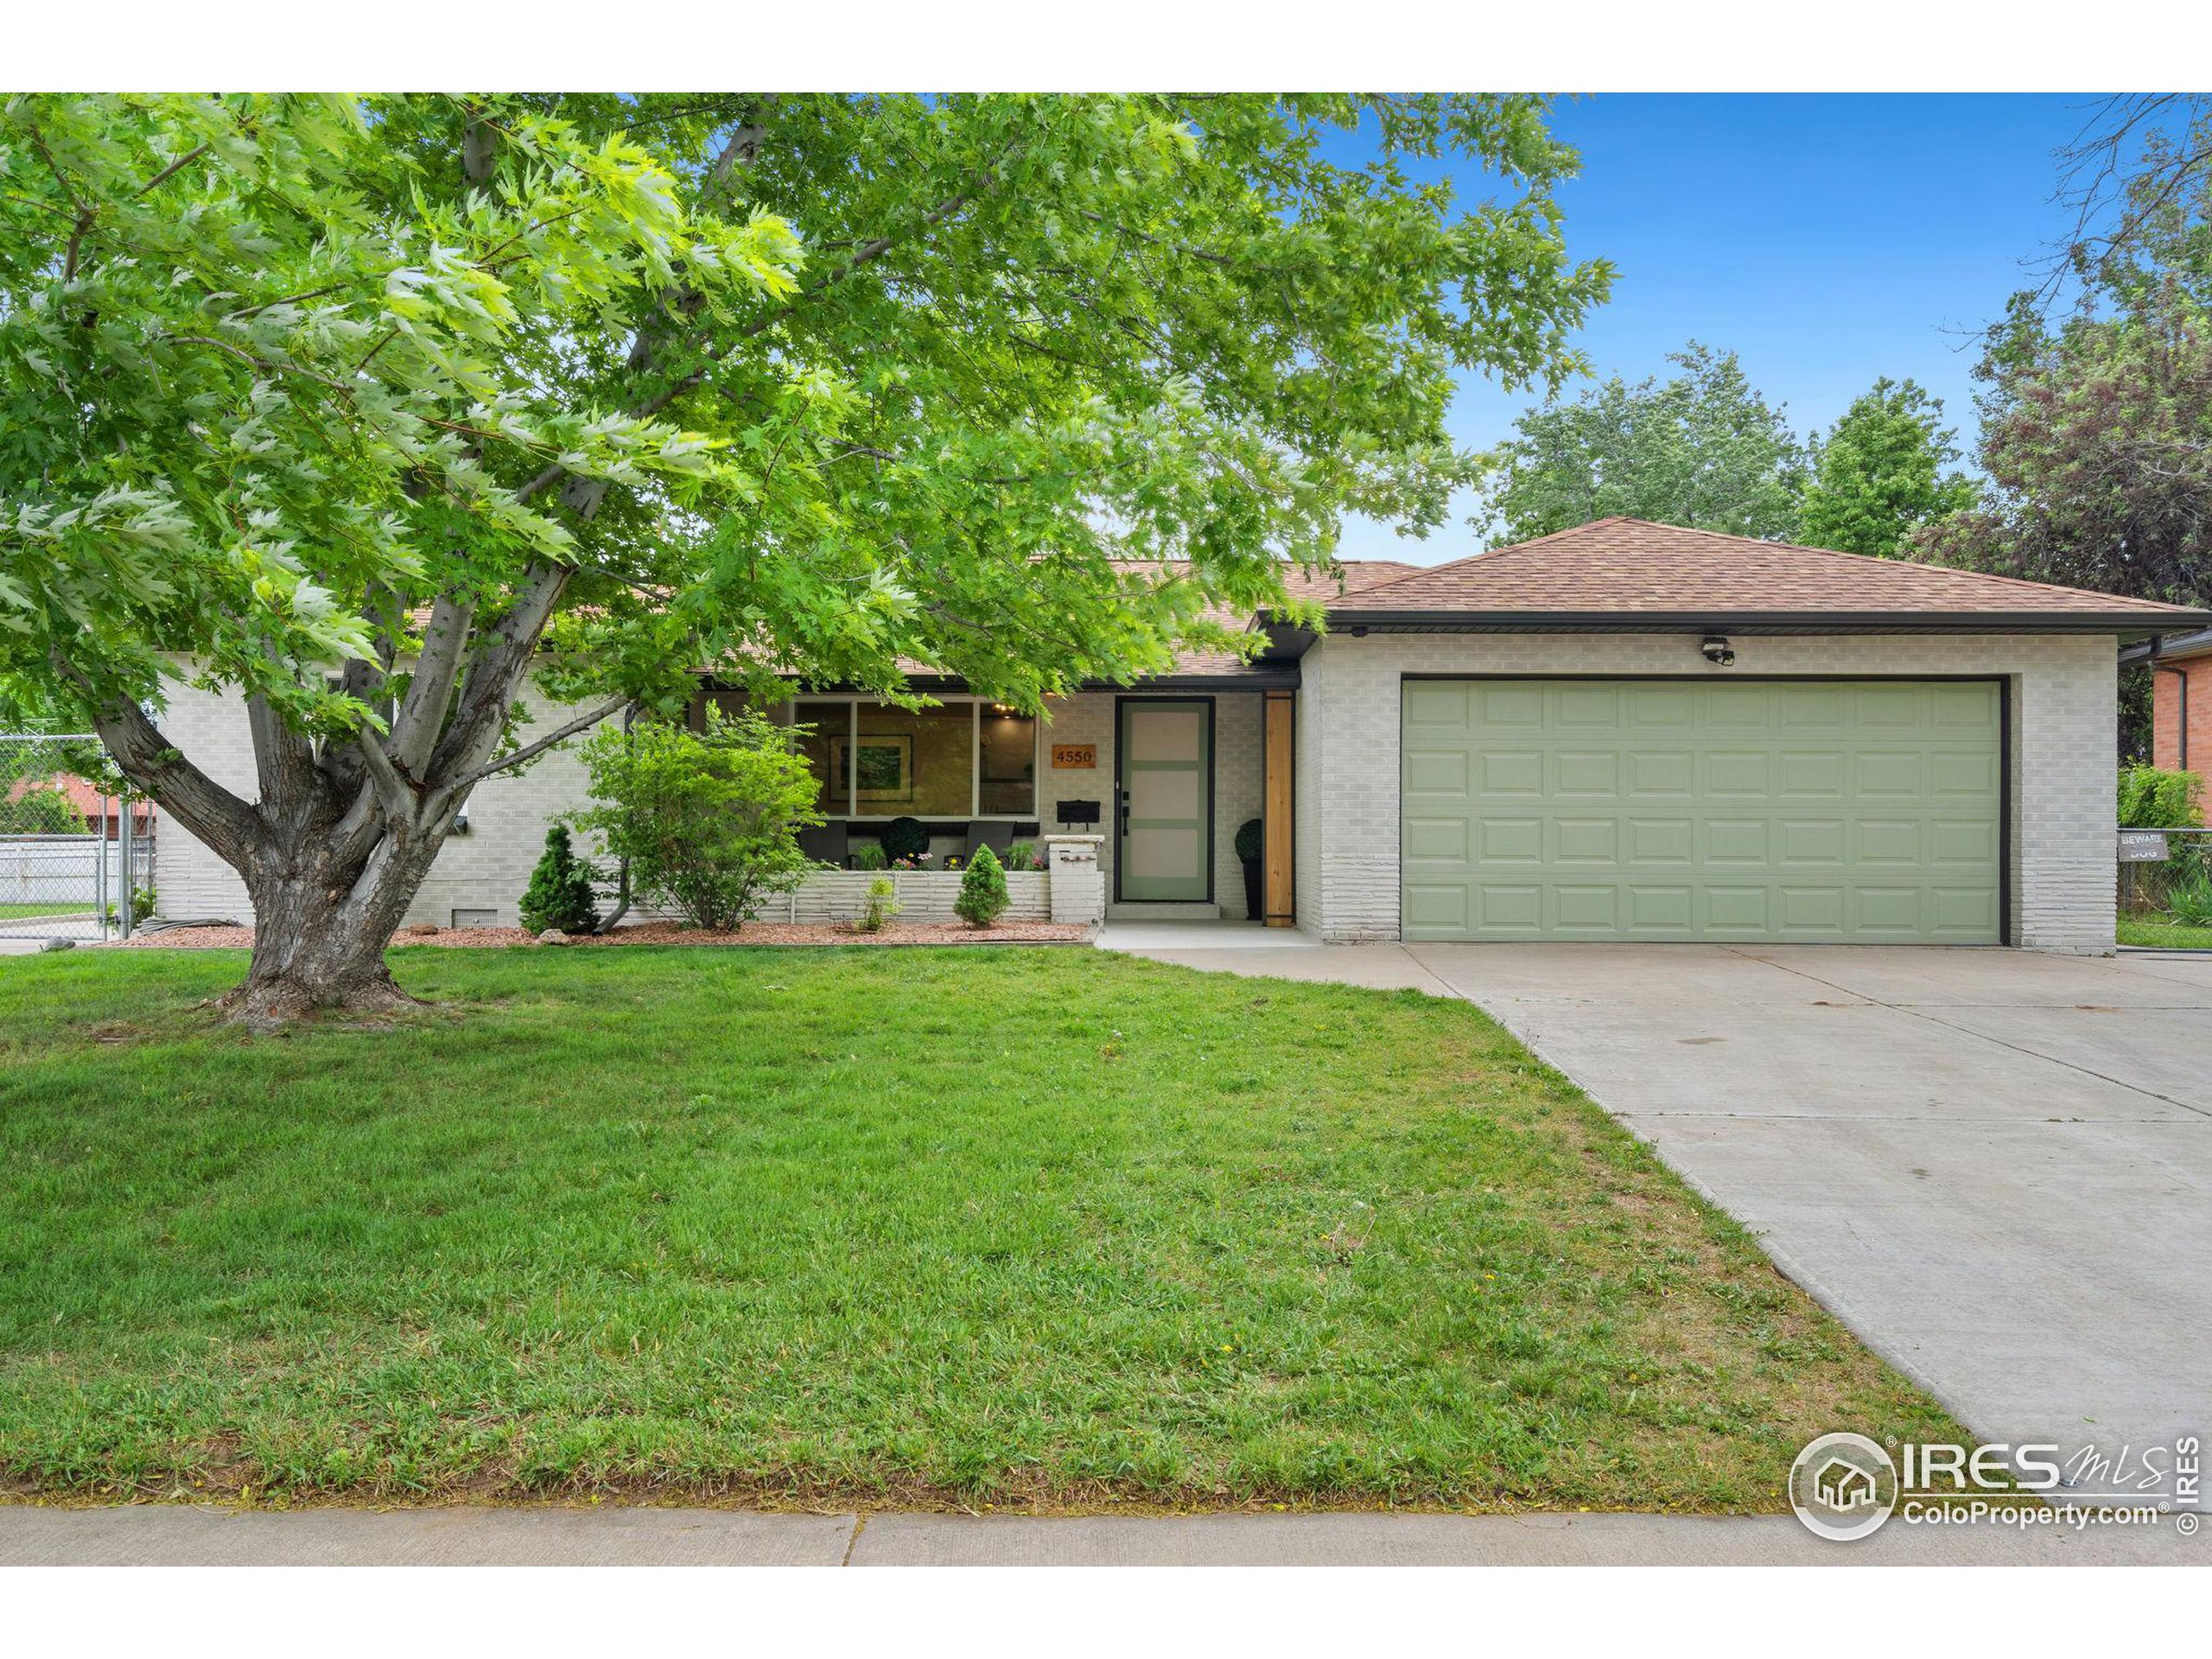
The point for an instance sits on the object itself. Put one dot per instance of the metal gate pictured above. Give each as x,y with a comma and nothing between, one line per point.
2166,889
76,854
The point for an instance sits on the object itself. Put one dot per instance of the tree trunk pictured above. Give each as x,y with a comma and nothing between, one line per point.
320,932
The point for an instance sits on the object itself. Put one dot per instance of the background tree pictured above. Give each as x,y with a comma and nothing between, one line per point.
2096,419
1879,473
1702,449
358,403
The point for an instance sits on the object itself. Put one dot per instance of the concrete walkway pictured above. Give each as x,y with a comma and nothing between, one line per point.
182,1535
1995,1166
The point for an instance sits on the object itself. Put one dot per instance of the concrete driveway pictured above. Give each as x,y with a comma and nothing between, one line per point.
1995,1166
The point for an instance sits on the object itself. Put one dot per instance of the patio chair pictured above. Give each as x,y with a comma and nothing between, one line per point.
996,837
830,844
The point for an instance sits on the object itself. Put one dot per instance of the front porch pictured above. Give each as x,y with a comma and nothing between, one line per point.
1161,775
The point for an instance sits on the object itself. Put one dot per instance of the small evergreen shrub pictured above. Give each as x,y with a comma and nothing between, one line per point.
1248,840
982,890
882,905
560,894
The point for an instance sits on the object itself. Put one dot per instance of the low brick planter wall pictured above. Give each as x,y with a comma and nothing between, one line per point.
923,896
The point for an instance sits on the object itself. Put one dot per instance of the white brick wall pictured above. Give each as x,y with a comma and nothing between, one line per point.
2061,690
485,869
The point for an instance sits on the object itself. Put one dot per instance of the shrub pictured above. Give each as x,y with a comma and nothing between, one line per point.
42,809
706,819
905,839
2150,798
869,855
560,894
1023,856
2191,901
1248,840
882,906
983,898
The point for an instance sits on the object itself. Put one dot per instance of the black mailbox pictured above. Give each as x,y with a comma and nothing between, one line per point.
1075,812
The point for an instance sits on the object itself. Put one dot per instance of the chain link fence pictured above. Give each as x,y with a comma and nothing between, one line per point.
2166,889
76,855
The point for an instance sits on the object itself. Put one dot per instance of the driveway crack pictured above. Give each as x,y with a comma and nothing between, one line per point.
1967,1031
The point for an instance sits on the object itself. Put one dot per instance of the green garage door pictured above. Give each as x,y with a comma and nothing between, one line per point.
1859,810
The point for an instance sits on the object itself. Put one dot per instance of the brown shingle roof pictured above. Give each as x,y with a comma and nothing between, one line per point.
1629,567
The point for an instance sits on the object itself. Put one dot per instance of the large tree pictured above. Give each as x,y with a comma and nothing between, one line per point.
2096,421
1702,449
1880,473
371,408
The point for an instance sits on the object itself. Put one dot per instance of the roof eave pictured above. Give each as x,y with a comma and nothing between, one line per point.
2128,624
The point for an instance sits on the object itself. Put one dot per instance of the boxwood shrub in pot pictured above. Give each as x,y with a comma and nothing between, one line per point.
905,838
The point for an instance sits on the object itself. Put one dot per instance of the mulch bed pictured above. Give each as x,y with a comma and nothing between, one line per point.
209,938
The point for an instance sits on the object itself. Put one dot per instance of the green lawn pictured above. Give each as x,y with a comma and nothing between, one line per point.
2163,930
13,913
1036,1227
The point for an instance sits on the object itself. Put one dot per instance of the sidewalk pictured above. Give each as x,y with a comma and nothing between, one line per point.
182,1535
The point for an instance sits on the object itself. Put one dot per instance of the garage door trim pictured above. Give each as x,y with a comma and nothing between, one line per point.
2006,804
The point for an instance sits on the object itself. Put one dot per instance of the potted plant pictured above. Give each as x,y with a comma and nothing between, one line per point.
906,842
1248,850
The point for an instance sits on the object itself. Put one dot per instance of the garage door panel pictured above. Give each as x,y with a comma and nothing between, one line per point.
1889,843
1737,912
1738,841
1505,910
1890,774
1501,707
1594,908
1509,840
1429,770
1585,841
1435,839
1683,810
1586,774
1953,842
1437,707
1508,775
1740,774
1437,905
1656,774
1662,840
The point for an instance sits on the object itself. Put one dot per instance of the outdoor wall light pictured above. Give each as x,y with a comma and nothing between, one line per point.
1718,651
461,823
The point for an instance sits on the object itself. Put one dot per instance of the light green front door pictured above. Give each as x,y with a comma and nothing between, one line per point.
1864,811
1166,761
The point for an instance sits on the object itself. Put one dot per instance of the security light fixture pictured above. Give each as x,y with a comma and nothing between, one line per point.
1718,651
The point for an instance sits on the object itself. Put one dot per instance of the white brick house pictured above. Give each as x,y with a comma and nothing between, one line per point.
1625,731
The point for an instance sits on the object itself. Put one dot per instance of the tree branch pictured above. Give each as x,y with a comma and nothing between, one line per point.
159,769
531,750
429,692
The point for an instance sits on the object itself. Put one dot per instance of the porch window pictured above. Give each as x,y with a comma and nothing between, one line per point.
961,758
830,727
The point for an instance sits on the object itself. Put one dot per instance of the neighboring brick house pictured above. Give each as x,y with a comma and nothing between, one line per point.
2180,698
1625,731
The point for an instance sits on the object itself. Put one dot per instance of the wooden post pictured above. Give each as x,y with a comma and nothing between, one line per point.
1277,883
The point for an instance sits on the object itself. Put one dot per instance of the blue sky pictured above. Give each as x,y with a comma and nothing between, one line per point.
1825,239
